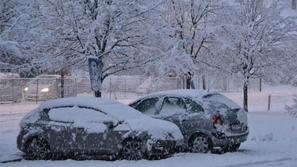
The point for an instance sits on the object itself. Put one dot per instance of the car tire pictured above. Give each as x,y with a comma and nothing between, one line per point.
232,148
37,149
200,144
132,150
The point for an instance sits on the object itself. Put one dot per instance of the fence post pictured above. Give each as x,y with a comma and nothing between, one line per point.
76,91
110,88
12,91
125,79
260,85
203,82
269,102
37,88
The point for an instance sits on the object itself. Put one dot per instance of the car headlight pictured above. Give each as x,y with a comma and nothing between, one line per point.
44,90
26,89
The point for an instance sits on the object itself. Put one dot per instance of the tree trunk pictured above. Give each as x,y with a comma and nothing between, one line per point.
203,82
62,88
98,93
245,95
96,76
189,81
260,84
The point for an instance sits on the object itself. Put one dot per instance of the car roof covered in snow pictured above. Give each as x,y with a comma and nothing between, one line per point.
193,93
113,108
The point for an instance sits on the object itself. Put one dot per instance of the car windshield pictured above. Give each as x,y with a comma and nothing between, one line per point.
220,101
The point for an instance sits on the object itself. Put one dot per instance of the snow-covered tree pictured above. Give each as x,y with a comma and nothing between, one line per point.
249,39
10,55
16,37
113,31
185,24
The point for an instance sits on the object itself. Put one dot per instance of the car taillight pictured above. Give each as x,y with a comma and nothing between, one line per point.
216,120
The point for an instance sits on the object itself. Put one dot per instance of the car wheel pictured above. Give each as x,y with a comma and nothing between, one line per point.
200,144
232,148
37,148
132,150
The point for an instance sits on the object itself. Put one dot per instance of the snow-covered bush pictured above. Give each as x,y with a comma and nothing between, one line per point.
292,110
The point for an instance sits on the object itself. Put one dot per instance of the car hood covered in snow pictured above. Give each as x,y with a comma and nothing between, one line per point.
157,129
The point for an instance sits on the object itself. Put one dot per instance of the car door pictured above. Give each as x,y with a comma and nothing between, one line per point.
173,109
194,120
100,138
63,135
80,129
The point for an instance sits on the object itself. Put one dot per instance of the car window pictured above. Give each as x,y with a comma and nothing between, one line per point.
192,106
218,106
77,114
134,104
172,105
221,102
147,106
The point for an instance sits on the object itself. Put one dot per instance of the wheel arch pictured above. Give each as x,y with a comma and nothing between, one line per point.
30,137
200,133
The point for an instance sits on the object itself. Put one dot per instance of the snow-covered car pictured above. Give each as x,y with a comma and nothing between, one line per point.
207,120
94,126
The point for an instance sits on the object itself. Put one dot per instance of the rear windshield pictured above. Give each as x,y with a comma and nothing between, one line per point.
220,101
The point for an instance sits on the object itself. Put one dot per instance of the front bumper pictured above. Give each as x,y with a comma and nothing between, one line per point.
19,142
220,139
160,147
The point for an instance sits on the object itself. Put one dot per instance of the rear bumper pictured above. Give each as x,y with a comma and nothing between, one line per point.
223,140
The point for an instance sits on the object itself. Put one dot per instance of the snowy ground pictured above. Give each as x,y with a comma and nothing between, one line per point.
272,141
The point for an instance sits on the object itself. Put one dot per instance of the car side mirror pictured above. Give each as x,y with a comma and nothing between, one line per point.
184,117
109,124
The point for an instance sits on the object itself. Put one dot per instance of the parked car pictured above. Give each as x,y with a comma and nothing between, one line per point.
43,87
93,126
207,120
46,87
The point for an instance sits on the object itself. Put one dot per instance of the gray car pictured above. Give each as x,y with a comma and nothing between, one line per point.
94,127
207,120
